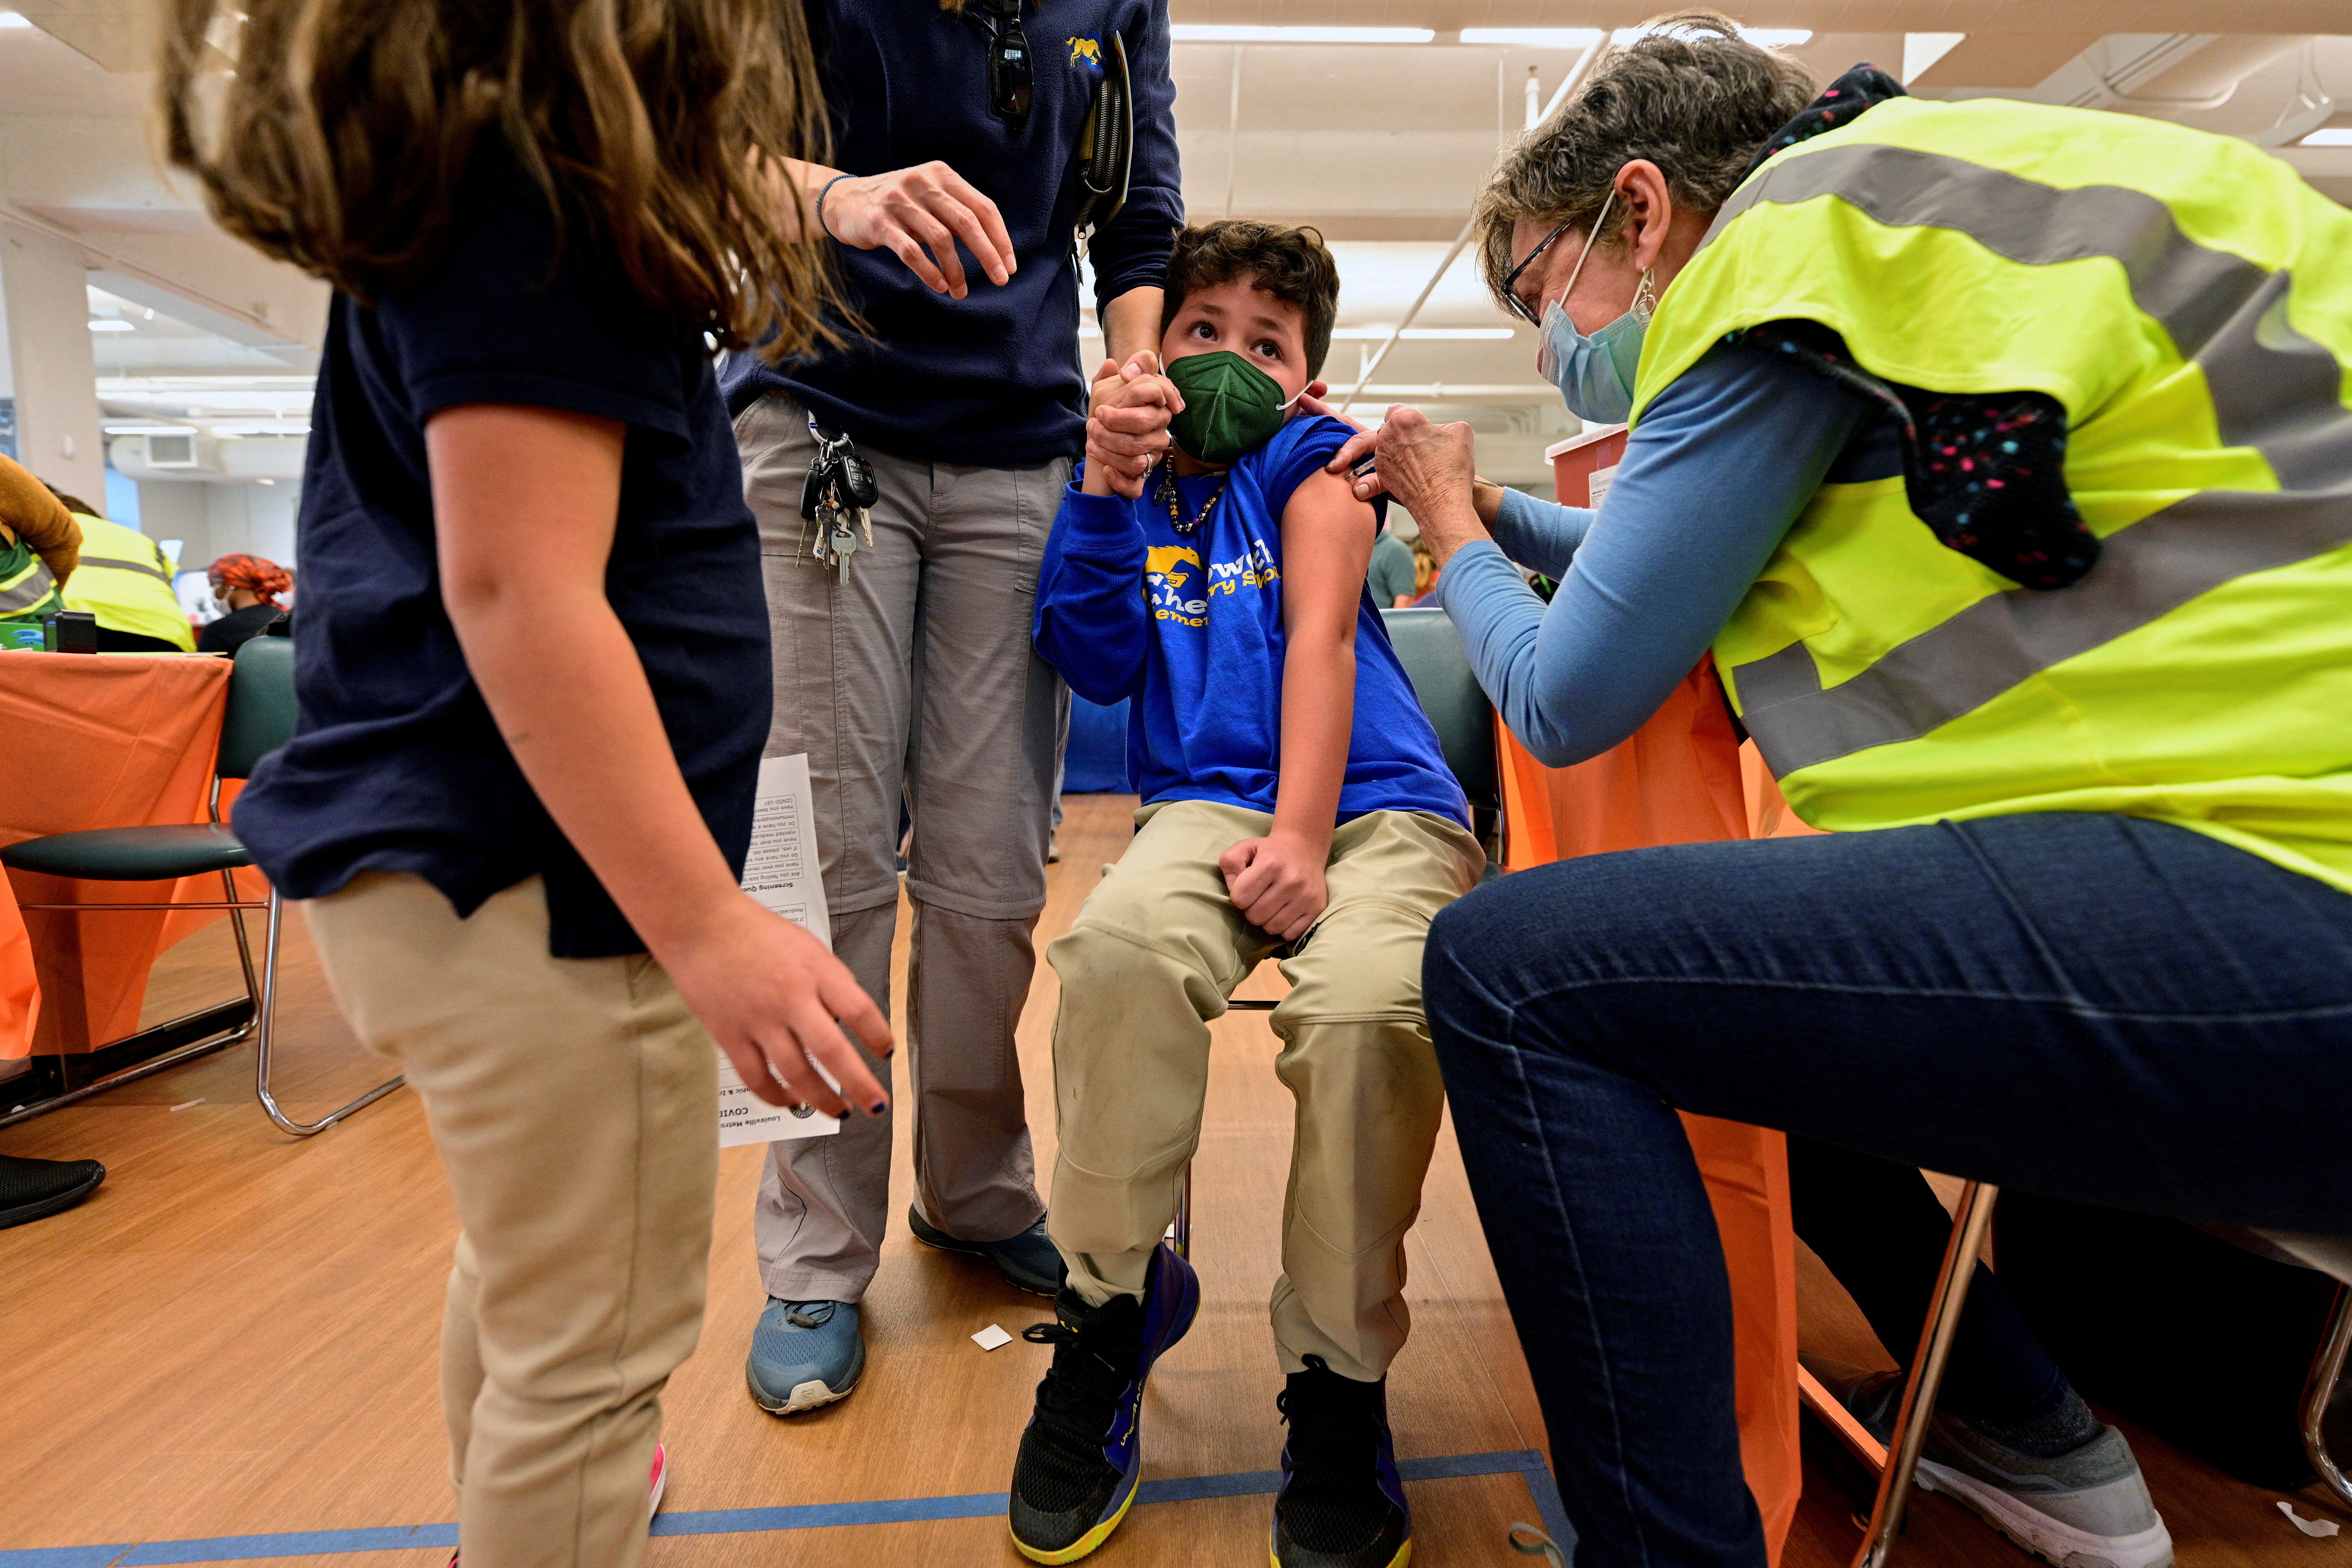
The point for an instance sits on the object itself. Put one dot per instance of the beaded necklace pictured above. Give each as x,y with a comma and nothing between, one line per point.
1167,496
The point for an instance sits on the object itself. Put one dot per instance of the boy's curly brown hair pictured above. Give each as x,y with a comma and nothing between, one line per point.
1293,264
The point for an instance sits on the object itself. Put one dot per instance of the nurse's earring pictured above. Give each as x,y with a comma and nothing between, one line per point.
1646,297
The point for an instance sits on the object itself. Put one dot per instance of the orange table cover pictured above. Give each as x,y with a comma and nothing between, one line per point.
104,741
1678,780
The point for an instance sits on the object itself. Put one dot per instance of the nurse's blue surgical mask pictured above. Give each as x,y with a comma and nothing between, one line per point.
1595,374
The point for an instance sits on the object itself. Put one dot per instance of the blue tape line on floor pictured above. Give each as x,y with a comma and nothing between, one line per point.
1525,1462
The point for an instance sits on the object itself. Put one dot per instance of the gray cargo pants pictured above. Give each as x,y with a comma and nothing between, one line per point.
913,669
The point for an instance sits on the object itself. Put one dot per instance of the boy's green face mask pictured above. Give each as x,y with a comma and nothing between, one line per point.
1230,406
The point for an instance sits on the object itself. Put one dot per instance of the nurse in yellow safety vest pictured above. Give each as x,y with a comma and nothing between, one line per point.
1999,456
125,579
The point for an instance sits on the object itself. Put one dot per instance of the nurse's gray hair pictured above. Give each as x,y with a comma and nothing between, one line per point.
1690,95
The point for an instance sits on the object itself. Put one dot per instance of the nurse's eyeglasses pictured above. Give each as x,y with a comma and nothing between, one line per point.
1511,280
1012,71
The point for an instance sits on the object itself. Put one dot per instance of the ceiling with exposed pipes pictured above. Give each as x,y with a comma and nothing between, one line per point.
1381,144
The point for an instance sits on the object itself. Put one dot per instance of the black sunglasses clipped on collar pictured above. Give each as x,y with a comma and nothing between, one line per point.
1012,70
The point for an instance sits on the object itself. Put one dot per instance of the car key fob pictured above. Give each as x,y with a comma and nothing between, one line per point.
858,480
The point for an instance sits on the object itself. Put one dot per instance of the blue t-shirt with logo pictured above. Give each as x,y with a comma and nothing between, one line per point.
1190,628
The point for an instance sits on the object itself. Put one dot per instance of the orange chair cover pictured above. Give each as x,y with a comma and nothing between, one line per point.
1677,780
110,740
20,987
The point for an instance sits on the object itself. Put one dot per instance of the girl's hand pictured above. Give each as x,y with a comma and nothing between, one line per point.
770,994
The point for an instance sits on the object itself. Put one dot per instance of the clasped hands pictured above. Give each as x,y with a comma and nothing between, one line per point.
1128,408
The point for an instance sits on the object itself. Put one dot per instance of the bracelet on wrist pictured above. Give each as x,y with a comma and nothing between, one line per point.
826,191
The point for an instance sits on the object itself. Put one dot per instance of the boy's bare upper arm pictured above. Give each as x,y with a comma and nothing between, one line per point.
1326,548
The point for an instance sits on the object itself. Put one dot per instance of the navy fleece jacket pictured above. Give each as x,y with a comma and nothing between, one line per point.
992,379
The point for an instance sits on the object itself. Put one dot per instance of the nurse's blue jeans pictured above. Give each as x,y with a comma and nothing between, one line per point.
2119,1012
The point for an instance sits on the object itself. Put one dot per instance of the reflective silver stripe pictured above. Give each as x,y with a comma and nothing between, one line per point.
2156,565
38,583
2273,390
146,568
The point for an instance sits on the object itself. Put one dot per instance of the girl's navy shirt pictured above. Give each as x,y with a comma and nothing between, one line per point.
395,765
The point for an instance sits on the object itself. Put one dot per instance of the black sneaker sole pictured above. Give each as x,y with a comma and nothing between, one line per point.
931,1236
44,1207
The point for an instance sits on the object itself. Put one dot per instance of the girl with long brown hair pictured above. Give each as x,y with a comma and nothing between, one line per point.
532,656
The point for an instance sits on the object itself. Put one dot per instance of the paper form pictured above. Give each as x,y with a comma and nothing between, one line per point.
780,873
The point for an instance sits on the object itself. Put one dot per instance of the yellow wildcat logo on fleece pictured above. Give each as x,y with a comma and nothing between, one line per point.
1165,576
1086,51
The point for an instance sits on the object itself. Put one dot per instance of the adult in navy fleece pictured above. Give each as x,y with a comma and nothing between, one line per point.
910,668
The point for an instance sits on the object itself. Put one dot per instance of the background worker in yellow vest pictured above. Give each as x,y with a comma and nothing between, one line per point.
1998,454
125,579
39,545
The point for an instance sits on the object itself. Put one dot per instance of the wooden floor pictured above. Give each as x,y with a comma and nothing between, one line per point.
235,1335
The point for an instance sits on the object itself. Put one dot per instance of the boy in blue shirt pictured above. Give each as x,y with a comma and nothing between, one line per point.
1295,804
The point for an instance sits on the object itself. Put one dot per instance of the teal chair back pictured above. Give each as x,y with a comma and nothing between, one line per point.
260,705
1430,651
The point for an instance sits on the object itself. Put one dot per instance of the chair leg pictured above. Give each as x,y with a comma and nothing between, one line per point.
1183,1226
2326,1372
265,1010
1970,1219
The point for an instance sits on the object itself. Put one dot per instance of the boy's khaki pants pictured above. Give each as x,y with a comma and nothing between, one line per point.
574,1105
1152,956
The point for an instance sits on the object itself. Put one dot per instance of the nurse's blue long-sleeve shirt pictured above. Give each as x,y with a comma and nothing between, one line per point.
1714,475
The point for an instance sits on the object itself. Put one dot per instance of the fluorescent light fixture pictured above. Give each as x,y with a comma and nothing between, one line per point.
11,19
1763,38
1535,38
108,324
1424,334
2328,136
1203,33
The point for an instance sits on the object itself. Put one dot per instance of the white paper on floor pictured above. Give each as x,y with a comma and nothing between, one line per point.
989,1338
2320,1528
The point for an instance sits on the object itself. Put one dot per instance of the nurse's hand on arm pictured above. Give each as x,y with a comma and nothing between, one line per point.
525,501
1534,533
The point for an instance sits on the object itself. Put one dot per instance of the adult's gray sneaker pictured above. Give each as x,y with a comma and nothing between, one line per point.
2086,1507
1029,1261
804,1354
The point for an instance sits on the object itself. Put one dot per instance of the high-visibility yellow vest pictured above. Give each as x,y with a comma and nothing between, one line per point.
125,579
2189,300
28,589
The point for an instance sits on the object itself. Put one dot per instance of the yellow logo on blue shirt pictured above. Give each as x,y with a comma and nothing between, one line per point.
1165,578
1173,574
1086,52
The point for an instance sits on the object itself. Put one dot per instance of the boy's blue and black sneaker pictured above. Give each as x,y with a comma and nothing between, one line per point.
1082,1452
1341,1504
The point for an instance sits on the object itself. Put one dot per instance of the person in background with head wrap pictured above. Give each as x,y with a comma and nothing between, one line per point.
249,586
